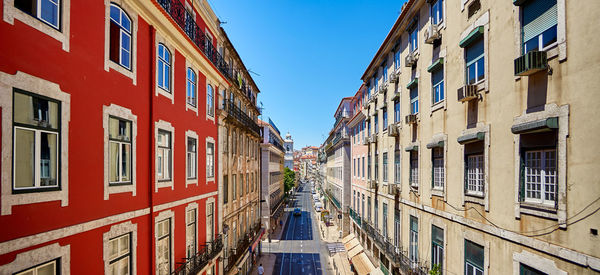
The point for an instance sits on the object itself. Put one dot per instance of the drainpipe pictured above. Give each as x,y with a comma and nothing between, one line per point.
152,261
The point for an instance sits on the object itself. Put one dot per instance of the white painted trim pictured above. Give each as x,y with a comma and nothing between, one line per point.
164,125
191,65
108,64
189,207
191,134
172,204
124,113
38,256
157,90
214,86
49,89
167,214
206,203
540,263
11,13
211,140
116,231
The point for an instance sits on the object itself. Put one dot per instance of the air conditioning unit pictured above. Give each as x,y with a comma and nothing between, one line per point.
432,33
373,138
365,141
411,119
394,189
410,60
372,184
467,92
396,95
393,130
394,77
530,63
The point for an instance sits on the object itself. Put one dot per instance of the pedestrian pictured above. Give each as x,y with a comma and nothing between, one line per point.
280,223
261,270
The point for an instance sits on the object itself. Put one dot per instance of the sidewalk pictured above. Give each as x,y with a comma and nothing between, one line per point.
337,264
268,259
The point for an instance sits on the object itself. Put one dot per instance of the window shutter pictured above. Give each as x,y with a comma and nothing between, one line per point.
538,16
114,42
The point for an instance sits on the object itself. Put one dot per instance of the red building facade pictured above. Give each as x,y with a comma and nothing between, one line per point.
109,137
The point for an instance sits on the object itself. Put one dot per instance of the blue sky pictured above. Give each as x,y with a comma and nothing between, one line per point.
309,55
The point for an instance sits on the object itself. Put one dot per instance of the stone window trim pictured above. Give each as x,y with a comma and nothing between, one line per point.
124,113
212,140
43,87
413,188
38,256
108,64
441,25
443,104
194,135
194,67
466,197
167,214
560,49
163,125
437,138
116,231
189,207
159,39
477,238
11,13
560,213
538,262
484,21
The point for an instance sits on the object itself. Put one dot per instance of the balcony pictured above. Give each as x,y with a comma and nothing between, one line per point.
236,114
196,263
334,200
186,22
234,254
355,216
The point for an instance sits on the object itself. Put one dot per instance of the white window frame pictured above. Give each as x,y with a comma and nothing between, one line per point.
38,256
48,89
414,101
438,166
117,231
210,166
209,237
210,100
126,114
191,241
170,92
60,33
165,126
193,135
475,174
414,169
162,217
191,87
438,88
164,62
556,49
108,64
122,32
543,175
413,246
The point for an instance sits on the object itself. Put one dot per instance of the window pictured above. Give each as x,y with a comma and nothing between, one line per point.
414,242
164,68
397,228
48,268
191,87
36,125
474,257
539,24
163,247
354,167
396,111
385,72
474,54
385,167
437,82
385,119
438,167
437,247
241,185
413,36
414,100
119,255
397,167
414,169
385,224
210,221
475,174
437,12
363,167
120,36
376,166
540,176
119,136
397,59
191,158
225,190
233,187
210,160
376,213
210,101
369,167
528,270
369,208
363,206
163,161
48,11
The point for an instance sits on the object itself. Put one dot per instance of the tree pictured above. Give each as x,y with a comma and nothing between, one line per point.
289,177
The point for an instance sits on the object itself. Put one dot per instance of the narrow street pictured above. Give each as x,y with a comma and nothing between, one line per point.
299,251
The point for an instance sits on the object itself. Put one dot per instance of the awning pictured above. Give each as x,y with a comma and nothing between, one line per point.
351,244
260,234
348,238
377,272
473,137
436,65
362,264
472,36
412,147
537,125
354,251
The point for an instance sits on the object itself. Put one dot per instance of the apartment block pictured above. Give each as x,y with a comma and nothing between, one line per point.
272,163
478,137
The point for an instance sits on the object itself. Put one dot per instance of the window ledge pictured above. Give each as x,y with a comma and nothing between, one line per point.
438,192
474,198
193,181
163,184
539,210
192,108
438,105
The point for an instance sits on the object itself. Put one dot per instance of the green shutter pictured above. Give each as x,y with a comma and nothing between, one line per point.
471,37
436,65
543,22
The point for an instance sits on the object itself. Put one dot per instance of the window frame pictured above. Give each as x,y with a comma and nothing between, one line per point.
437,88
122,31
191,87
38,13
128,255
414,169
193,165
34,269
438,179
475,62
191,244
164,64
120,143
543,184
163,126
478,177
210,159
414,100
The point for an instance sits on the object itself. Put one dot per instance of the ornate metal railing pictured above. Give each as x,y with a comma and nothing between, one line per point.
186,22
355,216
334,200
234,254
198,261
235,112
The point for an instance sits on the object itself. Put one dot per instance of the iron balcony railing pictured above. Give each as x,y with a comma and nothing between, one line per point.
334,200
186,22
234,254
355,216
237,114
198,261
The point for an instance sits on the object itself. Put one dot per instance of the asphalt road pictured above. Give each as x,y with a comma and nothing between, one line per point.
303,255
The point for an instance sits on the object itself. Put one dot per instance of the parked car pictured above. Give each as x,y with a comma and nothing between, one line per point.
297,212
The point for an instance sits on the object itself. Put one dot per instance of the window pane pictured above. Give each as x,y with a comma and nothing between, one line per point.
126,162
113,160
48,161
49,269
474,253
24,158
49,12
160,74
549,36
480,69
115,13
35,111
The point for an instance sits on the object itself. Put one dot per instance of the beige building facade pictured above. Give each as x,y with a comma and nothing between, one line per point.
272,189
480,112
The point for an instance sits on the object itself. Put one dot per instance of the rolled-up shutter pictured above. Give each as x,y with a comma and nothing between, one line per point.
538,16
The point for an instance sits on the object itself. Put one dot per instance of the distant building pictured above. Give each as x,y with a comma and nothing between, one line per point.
288,144
272,188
